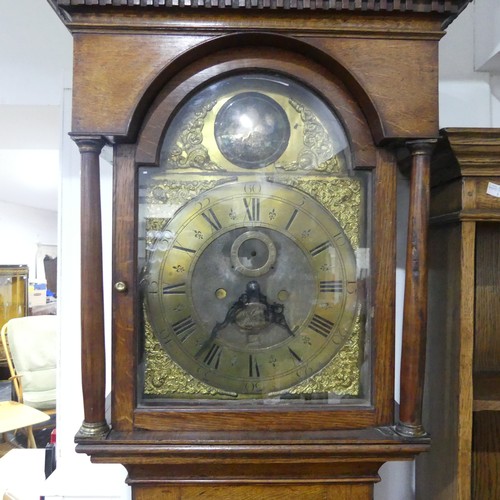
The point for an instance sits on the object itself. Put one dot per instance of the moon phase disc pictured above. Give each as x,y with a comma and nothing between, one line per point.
252,130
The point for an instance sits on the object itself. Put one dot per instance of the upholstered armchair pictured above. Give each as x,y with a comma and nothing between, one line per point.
31,347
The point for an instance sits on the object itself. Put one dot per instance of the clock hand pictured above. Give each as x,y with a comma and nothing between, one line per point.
252,301
230,318
276,315
274,312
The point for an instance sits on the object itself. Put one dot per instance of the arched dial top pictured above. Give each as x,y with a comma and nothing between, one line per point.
252,287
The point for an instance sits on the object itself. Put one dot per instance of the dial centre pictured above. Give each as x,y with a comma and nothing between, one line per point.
253,253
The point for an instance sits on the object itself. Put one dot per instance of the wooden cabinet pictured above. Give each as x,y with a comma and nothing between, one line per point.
462,400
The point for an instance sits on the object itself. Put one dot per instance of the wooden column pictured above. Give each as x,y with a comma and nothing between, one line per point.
93,348
415,297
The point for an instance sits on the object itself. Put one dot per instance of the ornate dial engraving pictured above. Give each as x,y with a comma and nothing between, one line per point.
255,124
269,330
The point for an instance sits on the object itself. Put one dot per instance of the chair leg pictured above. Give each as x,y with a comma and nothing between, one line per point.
31,438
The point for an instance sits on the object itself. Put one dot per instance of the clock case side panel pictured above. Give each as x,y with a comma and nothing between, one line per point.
125,299
125,415
384,284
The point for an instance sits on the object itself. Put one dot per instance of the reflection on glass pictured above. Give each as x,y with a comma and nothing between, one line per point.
249,233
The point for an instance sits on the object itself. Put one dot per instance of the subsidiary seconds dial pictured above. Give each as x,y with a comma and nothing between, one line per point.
251,287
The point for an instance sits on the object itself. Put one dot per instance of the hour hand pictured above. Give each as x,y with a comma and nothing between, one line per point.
230,318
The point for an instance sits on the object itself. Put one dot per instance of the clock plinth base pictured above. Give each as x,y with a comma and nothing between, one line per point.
340,464
225,491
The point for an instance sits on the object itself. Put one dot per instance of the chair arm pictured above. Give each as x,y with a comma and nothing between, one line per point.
18,386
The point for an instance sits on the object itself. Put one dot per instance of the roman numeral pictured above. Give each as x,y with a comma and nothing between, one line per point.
252,206
212,358
211,218
179,289
331,286
320,248
295,355
321,325
292,218
184,249
253,367
184,328
340,239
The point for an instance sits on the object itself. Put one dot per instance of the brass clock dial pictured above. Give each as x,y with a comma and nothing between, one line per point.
252,287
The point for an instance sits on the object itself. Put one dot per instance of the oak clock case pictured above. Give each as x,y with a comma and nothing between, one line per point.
253,252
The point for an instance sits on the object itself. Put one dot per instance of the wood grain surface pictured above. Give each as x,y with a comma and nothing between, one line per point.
463,384
486,452
261,492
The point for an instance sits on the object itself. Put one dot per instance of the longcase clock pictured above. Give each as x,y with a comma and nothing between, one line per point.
255,148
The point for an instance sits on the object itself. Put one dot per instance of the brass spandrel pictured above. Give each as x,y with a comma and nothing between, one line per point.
175,192
342,196
342,375
188,150
314,151
164,377
311,148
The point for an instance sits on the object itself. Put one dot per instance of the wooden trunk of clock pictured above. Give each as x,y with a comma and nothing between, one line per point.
255,148
340,492
464,348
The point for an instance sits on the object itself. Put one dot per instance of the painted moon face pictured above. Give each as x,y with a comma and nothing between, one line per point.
252,130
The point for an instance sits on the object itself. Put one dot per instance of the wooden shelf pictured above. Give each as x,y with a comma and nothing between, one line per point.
487,391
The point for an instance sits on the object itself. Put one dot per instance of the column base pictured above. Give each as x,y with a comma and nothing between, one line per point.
410,431
93,430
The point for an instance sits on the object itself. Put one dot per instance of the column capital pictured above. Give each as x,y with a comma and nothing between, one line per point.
88,143
421,146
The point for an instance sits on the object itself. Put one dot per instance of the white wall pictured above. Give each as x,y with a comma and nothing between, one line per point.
469,83
464,95
22,228
35,53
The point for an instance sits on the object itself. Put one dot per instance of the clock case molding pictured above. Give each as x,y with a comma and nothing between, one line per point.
375,63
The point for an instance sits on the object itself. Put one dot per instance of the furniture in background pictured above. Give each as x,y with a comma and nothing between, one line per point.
32,360
50,265
15,415
462,398
13,300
